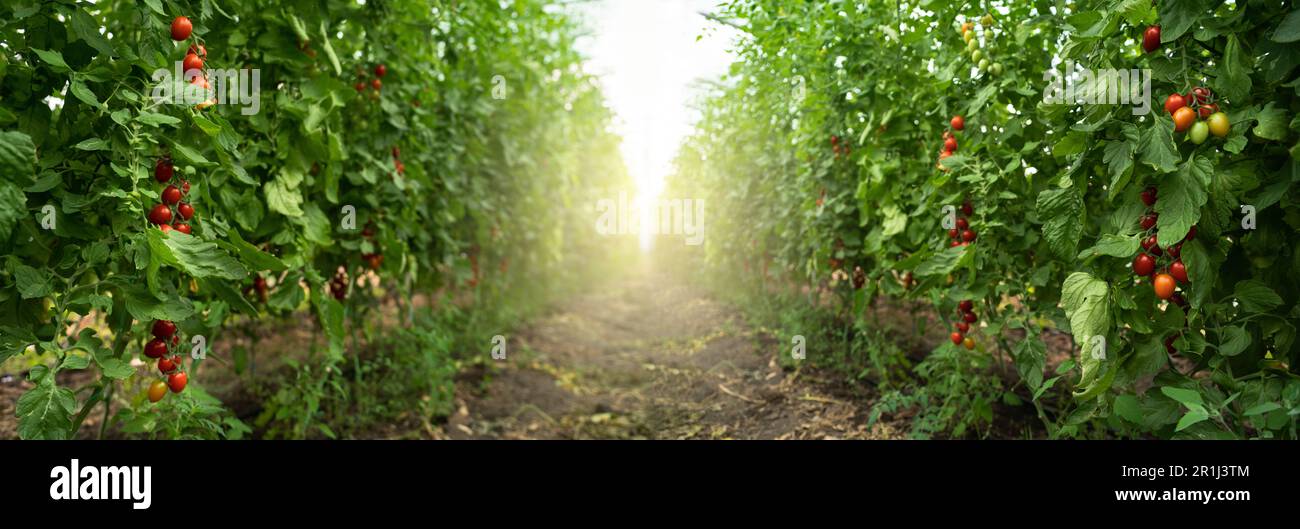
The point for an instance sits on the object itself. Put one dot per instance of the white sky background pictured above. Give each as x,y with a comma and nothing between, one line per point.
648,59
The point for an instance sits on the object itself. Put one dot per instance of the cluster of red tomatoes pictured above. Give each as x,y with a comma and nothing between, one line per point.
965,318
165,339
162,347
375,84
1147,260
339,285
839,147
195,57
961,233
950,141
161,215
1197,103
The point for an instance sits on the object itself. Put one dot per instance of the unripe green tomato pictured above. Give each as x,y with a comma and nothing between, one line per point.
973,45
996,68
976,55
983,64
1200,131
1219,125
967,35
189,169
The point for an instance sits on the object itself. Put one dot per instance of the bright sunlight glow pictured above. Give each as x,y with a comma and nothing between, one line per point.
649,60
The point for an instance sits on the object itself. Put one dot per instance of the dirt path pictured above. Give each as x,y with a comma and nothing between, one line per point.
651,358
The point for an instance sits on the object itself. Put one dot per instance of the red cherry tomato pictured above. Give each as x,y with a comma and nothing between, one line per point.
160,214
1149,196
163,329
171,195
156,348
1174,102
177,381
162,171
1151,39
1179,271
193,62
181,28
1144,265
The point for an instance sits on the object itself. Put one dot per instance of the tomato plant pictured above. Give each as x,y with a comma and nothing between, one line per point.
1088,216
161,223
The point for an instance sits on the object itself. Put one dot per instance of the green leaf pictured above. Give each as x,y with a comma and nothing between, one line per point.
228,294
1201,271
194,256
144,306
942,262
75,361
1272,123
1112,245
184,153
32,283
1289,29
45,411
1128,407
1261,408
1186,397
1137,12
156,6
1235,84
1233,340
87,29
256,258
1086,300
1193,416
115,368
84,93
53,58
1178,16
1181,196
1157,147
14,341
1255,296
283,198
93,144
154,119
1119,159
17,154
1061,211
13,207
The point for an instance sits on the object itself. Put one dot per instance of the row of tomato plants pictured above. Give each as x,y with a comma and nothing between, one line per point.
394,150
928,148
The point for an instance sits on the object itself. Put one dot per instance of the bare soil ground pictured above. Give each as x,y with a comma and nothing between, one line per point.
652,358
